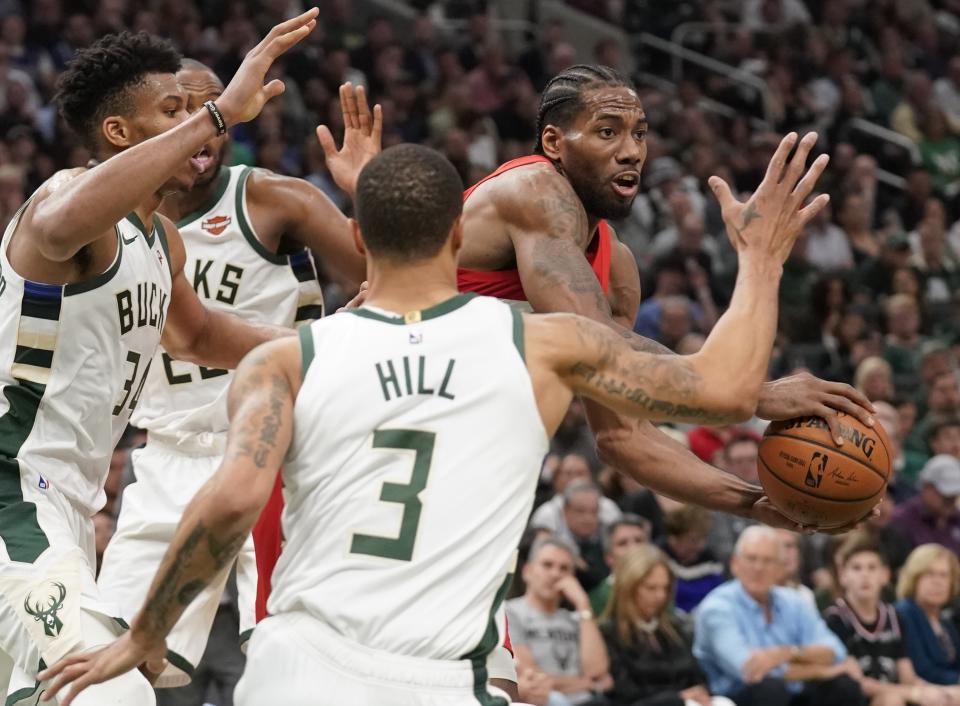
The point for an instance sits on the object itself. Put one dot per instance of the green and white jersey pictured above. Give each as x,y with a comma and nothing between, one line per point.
73,360
416,450
232,271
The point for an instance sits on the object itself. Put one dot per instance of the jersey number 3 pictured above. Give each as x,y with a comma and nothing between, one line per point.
407,494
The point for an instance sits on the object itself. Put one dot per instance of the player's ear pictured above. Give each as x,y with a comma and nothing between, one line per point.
550,139
117,131
456,236
357,238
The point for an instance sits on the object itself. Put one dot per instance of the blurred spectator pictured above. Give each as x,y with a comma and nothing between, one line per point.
946,91
790,576
905,465
565,644
740,457
869,629
932,516
695,568
550,515
651,661
620,538
928,582
907,116
762,644
903,340
827,246
874,378
943,400
581,528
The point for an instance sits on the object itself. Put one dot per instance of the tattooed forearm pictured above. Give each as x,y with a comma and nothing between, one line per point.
203,554
644,345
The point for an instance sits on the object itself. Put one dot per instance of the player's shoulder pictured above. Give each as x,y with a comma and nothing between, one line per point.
58,180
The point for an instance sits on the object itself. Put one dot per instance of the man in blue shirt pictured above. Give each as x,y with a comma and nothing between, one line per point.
762,644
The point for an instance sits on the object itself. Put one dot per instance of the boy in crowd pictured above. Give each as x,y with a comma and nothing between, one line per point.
869,629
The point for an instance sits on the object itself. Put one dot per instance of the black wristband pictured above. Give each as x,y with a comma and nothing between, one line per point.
216,116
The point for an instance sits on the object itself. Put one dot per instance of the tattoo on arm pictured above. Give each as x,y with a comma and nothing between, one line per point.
644,345
657,385
207,550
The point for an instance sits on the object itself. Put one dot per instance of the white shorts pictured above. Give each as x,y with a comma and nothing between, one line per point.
167,480
296,660
50,605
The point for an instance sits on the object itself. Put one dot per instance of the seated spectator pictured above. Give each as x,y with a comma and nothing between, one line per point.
943,436
790,576
871,632
874,378
651,662
928,582
943,400
905,465
564,644
903,342
762,644
739,457
932,516
580,527
620,538
696,569
827,246
573,466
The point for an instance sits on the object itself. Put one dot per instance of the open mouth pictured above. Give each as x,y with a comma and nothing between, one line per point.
202,160
626,184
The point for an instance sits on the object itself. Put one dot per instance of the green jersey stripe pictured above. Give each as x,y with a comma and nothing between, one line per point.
306,348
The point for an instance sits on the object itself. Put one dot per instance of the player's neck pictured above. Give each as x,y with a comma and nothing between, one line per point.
181,203
147,208
866,608
409,287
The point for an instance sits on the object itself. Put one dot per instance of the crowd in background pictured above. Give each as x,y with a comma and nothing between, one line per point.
870,296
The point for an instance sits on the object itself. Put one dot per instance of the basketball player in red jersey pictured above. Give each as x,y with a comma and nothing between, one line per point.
535,232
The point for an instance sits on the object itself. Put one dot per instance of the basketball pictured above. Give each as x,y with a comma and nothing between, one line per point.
813,481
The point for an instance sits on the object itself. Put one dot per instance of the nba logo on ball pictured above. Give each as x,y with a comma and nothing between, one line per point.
816,483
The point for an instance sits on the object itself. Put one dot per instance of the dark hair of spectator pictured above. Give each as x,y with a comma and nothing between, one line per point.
562,97
938,423
628,520
687,518
859,542
100,79
408,198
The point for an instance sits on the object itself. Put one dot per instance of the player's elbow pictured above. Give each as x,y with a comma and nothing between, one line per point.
53,241
729,398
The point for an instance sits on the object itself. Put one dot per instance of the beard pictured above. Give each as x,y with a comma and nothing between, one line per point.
597,197
210,174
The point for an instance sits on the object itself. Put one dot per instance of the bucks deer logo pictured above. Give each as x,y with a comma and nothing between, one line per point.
52,625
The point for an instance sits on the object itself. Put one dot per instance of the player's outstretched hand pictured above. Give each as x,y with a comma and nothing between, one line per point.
770,221
804,395
245,96
81,670
361,137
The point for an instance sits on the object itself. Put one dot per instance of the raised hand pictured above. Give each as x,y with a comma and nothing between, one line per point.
81,670
361,137
770,221
245,96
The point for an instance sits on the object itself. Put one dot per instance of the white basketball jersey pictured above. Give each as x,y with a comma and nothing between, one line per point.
73,360
232,271
416,450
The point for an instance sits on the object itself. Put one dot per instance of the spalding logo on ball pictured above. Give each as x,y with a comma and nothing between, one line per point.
813,481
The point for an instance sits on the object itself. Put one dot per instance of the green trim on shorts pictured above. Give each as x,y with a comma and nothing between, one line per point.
306,349
246,635
19,526
181,663
17,698
478,656
518,333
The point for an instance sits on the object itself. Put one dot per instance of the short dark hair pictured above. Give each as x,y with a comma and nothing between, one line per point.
628,520
860,543
562,97
408,198
99,79
938,423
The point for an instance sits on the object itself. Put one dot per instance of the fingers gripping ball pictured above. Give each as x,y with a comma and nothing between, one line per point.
813,481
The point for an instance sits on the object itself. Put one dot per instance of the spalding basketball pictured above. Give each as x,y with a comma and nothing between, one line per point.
813,481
